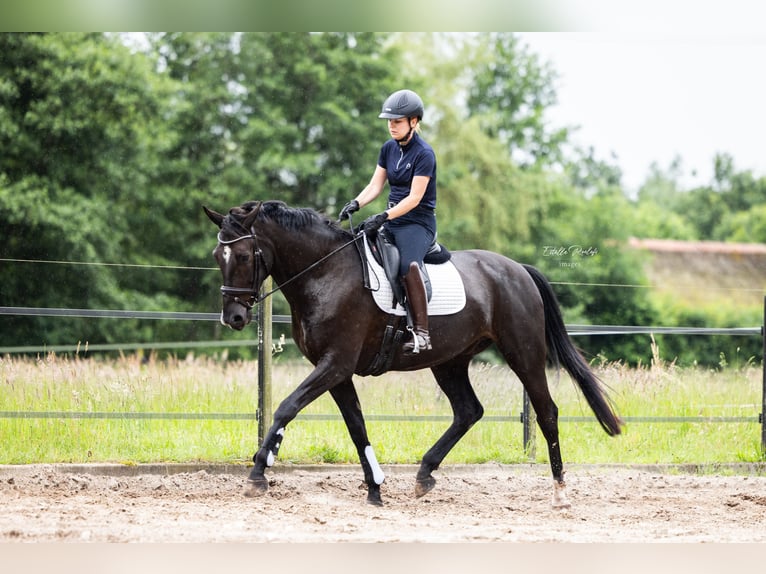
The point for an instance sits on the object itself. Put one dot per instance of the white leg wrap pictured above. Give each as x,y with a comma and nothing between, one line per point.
377,472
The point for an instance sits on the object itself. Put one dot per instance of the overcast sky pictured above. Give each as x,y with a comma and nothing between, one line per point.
650,99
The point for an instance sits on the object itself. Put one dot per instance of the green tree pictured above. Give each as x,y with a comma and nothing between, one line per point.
80,134
657,209
744,226
510,94
312,102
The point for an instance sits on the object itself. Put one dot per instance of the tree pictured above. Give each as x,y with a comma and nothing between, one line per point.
657,212
509,95
312,102
121,142
80,134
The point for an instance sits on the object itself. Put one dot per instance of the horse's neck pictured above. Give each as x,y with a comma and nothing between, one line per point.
298,258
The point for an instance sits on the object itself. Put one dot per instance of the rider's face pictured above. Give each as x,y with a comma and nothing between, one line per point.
399,127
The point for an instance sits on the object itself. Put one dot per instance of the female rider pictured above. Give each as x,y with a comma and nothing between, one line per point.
408,164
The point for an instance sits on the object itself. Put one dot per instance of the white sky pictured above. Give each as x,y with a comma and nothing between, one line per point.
651,98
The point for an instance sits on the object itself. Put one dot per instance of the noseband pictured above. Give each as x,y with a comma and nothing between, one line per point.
252,291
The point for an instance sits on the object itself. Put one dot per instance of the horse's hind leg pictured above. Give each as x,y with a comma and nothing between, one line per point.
536,384
453,379
346,398
525,352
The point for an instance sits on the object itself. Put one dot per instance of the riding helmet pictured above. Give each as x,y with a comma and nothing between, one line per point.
402,104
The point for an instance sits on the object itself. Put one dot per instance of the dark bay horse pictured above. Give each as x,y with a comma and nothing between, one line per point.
338,327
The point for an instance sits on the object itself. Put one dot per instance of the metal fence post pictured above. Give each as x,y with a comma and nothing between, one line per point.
762,416
265,413
529,420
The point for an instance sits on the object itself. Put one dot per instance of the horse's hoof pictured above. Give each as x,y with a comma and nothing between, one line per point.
256,487
560,500
424,485
373,496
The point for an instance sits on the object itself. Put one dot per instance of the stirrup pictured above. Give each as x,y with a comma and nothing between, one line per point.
421,341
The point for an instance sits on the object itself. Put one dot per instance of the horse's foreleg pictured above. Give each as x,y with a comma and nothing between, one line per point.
467,410
346,398
257,484
320,380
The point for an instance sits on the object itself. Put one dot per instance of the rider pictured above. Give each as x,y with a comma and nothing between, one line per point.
408,164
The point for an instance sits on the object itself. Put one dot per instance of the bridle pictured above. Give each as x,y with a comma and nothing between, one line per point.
253,298
252,291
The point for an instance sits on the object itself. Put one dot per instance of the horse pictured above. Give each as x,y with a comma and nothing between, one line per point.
339,329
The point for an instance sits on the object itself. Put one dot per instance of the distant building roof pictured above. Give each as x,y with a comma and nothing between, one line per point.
677,246
699,272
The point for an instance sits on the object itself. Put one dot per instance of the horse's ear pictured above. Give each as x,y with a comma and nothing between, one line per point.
252,216
214,216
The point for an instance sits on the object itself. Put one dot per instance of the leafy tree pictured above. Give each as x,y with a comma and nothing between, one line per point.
79,133
587,172
703,208
111,147
312,102
510,94
659,199
744,226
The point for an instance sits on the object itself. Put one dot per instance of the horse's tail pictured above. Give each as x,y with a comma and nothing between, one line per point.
561,351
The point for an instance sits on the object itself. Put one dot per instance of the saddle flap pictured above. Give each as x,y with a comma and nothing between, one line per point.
387,255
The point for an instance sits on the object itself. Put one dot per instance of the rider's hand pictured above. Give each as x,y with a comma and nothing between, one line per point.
351,207
371,225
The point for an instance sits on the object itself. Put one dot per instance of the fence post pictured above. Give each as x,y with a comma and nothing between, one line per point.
762,417
529,420
265,413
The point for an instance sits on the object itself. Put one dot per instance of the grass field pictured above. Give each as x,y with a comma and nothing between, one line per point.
207,388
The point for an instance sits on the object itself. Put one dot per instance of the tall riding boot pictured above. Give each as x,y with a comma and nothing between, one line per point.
418,304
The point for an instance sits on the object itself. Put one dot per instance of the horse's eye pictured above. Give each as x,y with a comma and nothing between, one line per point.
243,257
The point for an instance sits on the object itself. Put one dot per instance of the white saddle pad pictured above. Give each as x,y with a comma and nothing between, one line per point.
447,290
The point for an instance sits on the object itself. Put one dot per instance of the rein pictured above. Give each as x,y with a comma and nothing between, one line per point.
254,297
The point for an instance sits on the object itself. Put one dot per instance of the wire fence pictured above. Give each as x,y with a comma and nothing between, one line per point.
526,417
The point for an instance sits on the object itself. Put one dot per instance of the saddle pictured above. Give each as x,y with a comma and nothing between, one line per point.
386,254
382,253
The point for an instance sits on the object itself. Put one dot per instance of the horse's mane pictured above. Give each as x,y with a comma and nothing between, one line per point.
289,218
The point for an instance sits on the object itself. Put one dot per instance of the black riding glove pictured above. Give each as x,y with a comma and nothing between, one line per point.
371,225
351,207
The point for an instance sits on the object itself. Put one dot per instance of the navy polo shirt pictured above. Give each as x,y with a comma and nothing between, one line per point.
403,163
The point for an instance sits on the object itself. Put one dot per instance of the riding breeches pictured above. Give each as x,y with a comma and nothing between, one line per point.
413,241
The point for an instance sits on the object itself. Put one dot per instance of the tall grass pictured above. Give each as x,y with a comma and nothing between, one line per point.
204,386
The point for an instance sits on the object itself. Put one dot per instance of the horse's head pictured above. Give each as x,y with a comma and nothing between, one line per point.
241,262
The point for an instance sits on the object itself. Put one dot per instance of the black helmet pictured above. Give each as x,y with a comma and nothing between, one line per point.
402,104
